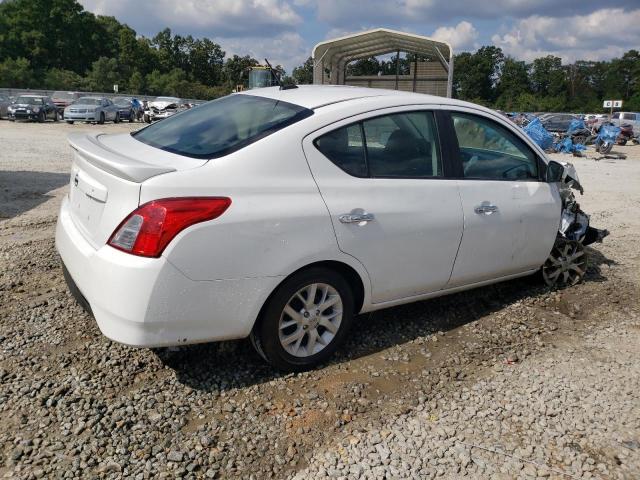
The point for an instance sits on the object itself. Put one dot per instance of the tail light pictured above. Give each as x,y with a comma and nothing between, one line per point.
149,229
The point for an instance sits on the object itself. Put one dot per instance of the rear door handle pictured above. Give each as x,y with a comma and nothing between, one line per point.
356,217
485,209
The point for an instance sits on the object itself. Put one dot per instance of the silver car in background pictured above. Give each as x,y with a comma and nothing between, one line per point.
92,109
5,101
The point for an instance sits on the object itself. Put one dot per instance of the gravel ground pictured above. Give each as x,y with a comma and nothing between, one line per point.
507,381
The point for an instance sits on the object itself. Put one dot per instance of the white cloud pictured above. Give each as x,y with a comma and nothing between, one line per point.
461,37
207,17
600,35
288,49
353,13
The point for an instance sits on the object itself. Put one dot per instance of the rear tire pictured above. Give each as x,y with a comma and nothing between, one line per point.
55,116
622,141
131,116
146,118
117,119
305,320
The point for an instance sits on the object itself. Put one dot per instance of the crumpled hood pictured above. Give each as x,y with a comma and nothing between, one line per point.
161,105
570,177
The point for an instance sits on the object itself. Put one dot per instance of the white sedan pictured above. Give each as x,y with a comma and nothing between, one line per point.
279,214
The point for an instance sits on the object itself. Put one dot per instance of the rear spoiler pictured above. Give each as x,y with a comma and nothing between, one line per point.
93,151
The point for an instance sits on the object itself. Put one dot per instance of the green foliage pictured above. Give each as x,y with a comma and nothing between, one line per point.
303,75
16,72
236,70
59,79
487,77
103,75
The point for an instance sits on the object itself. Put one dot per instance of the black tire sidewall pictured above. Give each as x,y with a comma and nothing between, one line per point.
101,120
266,331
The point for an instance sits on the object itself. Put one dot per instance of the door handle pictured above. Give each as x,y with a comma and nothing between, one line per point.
356,217
485,209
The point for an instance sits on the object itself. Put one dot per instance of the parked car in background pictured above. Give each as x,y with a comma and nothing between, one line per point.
627,118
162,107
626,134
33,107
92,109
281,214
64,99
5,101
129,108
557,122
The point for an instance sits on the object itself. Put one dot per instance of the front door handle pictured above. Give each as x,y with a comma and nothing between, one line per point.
485,209
356,217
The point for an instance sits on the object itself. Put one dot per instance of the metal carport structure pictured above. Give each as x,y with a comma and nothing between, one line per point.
330,60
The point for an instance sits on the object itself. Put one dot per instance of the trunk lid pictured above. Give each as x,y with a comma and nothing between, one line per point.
106,176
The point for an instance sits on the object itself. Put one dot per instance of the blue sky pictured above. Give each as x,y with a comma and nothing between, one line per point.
285,31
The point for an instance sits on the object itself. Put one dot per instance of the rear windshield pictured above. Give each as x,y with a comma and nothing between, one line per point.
63,95
221,126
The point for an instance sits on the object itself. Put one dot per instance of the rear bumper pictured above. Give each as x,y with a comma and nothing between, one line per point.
147,302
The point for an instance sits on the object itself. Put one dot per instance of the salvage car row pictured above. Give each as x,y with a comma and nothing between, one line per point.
74,107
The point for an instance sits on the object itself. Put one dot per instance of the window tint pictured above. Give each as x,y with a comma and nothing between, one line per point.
344,147
221,126
629,116
403,145
490,151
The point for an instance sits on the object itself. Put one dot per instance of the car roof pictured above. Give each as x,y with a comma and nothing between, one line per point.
317,96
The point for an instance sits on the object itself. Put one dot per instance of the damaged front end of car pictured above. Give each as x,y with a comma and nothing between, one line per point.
567,262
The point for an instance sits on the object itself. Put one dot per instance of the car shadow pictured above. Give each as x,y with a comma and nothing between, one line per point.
20,191
235,364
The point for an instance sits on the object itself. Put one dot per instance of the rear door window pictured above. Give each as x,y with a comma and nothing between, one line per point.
400,145
490,151
345,148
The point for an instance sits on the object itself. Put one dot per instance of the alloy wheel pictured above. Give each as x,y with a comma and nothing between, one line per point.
566,264
310,320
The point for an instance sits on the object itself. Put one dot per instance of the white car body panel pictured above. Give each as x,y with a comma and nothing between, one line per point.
516,238
213,278
403,254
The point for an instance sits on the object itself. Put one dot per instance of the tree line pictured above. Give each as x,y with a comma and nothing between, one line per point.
56,44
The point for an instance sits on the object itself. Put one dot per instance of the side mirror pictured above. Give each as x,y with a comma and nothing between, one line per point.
555,172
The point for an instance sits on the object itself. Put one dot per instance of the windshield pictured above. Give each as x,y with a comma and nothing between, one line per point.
88,101
122,102
221,126
63,95
260,78
30,100
167,99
